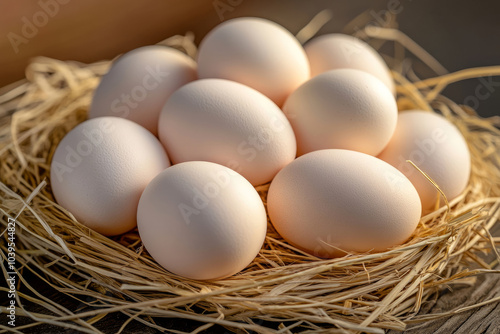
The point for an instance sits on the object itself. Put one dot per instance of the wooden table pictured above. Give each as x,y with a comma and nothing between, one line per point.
485,319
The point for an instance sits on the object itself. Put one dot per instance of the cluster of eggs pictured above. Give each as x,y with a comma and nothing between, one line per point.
319,122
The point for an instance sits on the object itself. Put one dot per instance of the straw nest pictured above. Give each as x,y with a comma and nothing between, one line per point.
283,288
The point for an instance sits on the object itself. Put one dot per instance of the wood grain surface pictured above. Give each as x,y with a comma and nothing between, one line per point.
485,319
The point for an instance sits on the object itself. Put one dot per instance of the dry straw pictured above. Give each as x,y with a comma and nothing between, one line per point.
357,293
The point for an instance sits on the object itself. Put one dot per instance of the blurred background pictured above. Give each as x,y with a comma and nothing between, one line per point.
459,34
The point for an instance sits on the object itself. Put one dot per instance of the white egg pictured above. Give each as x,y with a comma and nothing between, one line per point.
335,51
437,147
101,167
201,220
330,202
140,82
344,109
230,124
256,52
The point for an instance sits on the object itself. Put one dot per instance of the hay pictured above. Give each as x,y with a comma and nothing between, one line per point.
357,293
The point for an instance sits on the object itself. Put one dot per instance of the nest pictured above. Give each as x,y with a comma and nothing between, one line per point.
283,288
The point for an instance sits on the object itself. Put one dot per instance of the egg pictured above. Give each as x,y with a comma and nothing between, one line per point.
334,51
330,202
230,124
140,82
256,52
437,147
100,168
201,220
342,109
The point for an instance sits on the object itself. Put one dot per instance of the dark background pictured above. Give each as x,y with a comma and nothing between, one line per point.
460,34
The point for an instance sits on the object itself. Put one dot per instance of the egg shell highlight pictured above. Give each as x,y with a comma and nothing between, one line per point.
230,124
139,83
201,220
101,167
437,147
256,52
330,202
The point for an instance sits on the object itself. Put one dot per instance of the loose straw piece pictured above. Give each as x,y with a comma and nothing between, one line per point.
312,28
448,208
409,44
440,83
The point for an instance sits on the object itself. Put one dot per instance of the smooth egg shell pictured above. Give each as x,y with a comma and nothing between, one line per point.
101,167
140,82
343,109
330,202
256,52
201,220
437,147
230,124
334,51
